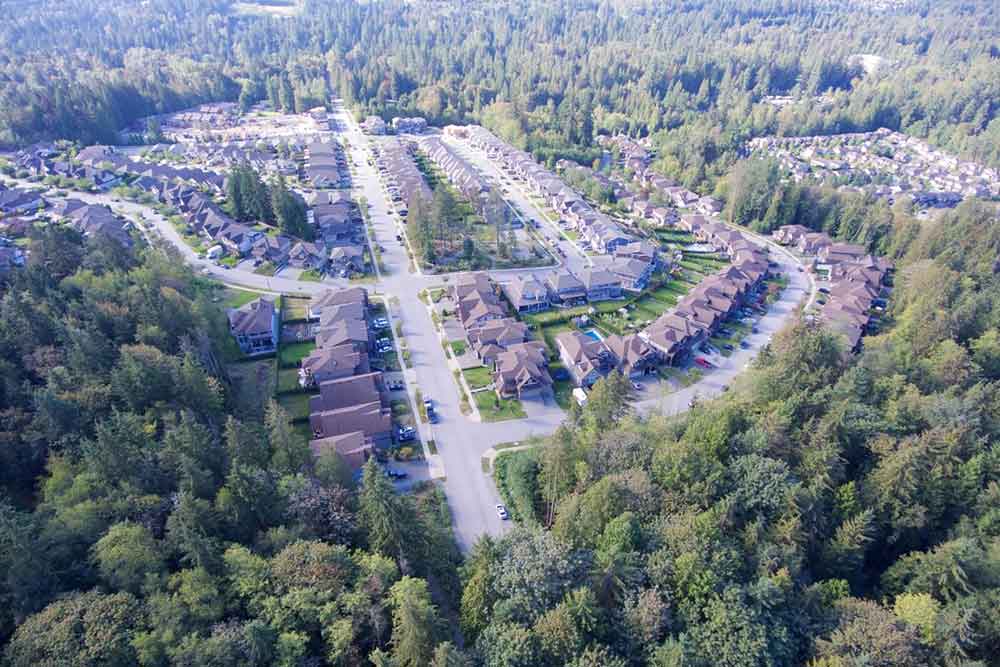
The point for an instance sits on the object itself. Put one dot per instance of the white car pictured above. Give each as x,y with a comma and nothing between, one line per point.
502,512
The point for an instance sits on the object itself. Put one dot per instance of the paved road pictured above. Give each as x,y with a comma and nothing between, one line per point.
461,442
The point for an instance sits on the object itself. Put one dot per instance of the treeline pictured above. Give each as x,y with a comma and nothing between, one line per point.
829,511
143,521
249,198
545,75
758,197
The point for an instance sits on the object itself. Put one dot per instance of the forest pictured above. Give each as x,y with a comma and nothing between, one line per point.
145,521
694,75
829,511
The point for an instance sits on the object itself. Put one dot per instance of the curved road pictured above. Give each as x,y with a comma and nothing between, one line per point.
460,442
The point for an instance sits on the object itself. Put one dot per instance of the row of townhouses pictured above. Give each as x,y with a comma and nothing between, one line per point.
326,165
465,177
349,413
400,175
858,280
628,269
601,232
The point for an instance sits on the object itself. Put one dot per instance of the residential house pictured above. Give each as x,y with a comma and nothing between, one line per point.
633,355
522,370
307,256
527,294
254,325
587,358
601,284
634,274
354,449
345,260
565,289
332,363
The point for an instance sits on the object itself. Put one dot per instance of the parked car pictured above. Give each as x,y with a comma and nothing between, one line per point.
396,385
744,345
395,474
703,362
502,512
406,433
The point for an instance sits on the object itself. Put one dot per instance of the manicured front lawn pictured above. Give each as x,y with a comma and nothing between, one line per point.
290,355
296,405
478,377
458,347
311,275
265,269
493,409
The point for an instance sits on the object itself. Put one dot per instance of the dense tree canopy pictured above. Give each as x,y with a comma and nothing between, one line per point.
146,520
546,75
831,510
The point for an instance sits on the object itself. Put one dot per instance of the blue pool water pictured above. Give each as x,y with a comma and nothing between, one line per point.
592,333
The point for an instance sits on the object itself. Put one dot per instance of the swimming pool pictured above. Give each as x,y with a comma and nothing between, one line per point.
593,333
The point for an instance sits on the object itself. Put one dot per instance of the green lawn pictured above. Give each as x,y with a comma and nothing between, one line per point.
291,354
311,275
458,347
494,411
265,269
478,377
562,389
296,405
288,380
678,236
234,298
295,308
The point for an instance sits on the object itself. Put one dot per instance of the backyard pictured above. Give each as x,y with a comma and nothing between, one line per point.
291,354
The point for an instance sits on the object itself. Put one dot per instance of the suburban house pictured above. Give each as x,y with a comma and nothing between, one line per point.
347,260
495,336
634,274
476,302
16,200
522,370
254,325
307,256
349,405
354,448
565,288
336,298
633,356
586,358
601,284
527,294
332,363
